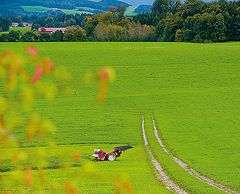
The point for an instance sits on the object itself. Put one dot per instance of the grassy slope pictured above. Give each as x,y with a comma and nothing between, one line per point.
130,11
35,8
192,89
177,174
107,126
197,113
44,9
21,29
136,168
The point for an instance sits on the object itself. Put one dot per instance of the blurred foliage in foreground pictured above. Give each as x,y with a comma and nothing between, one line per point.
23,170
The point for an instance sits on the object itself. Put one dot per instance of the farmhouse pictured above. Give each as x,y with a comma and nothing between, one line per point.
51,30
26,24
14,25
23,24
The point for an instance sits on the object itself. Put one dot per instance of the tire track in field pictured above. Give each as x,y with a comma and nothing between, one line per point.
161,174
188,169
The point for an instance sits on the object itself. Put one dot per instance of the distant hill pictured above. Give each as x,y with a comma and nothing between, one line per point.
143,9
139,2
70,4
16,7
53,7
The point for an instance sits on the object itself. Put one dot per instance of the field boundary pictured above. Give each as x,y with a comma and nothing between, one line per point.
161,174
191,171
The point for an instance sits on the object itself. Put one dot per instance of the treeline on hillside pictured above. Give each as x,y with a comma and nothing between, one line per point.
61,20
170,20
72,34
111,26
194,20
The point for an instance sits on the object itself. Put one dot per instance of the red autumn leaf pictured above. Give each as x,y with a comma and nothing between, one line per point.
32,51
103,74
37,75
7,53
24,74
48,65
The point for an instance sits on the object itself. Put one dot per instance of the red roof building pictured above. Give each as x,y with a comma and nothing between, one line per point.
51,30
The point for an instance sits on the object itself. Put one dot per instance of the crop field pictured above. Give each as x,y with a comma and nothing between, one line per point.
192,90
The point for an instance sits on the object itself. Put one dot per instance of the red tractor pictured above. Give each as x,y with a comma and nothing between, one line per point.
100,155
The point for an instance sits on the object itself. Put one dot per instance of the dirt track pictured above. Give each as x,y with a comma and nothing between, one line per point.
161,174
188,169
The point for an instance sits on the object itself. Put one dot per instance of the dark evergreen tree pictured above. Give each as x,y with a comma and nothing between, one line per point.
4,37
14,36
57,36
44,37
161,7
29,37
166,29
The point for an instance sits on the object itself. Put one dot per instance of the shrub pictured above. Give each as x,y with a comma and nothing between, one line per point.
75,34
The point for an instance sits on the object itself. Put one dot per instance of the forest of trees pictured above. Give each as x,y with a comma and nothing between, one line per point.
72,34
194,20
169,20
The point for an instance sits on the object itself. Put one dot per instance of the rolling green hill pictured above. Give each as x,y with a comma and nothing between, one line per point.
192,90
25,6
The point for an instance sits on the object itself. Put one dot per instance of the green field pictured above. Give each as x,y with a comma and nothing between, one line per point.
44,9
191,89
130,11
35,8
21,29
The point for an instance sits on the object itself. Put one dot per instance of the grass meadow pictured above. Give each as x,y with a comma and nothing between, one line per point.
191,89
30,9
21,29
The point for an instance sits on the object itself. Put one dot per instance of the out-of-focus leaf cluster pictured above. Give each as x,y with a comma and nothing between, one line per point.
23,170
104,76
23,81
